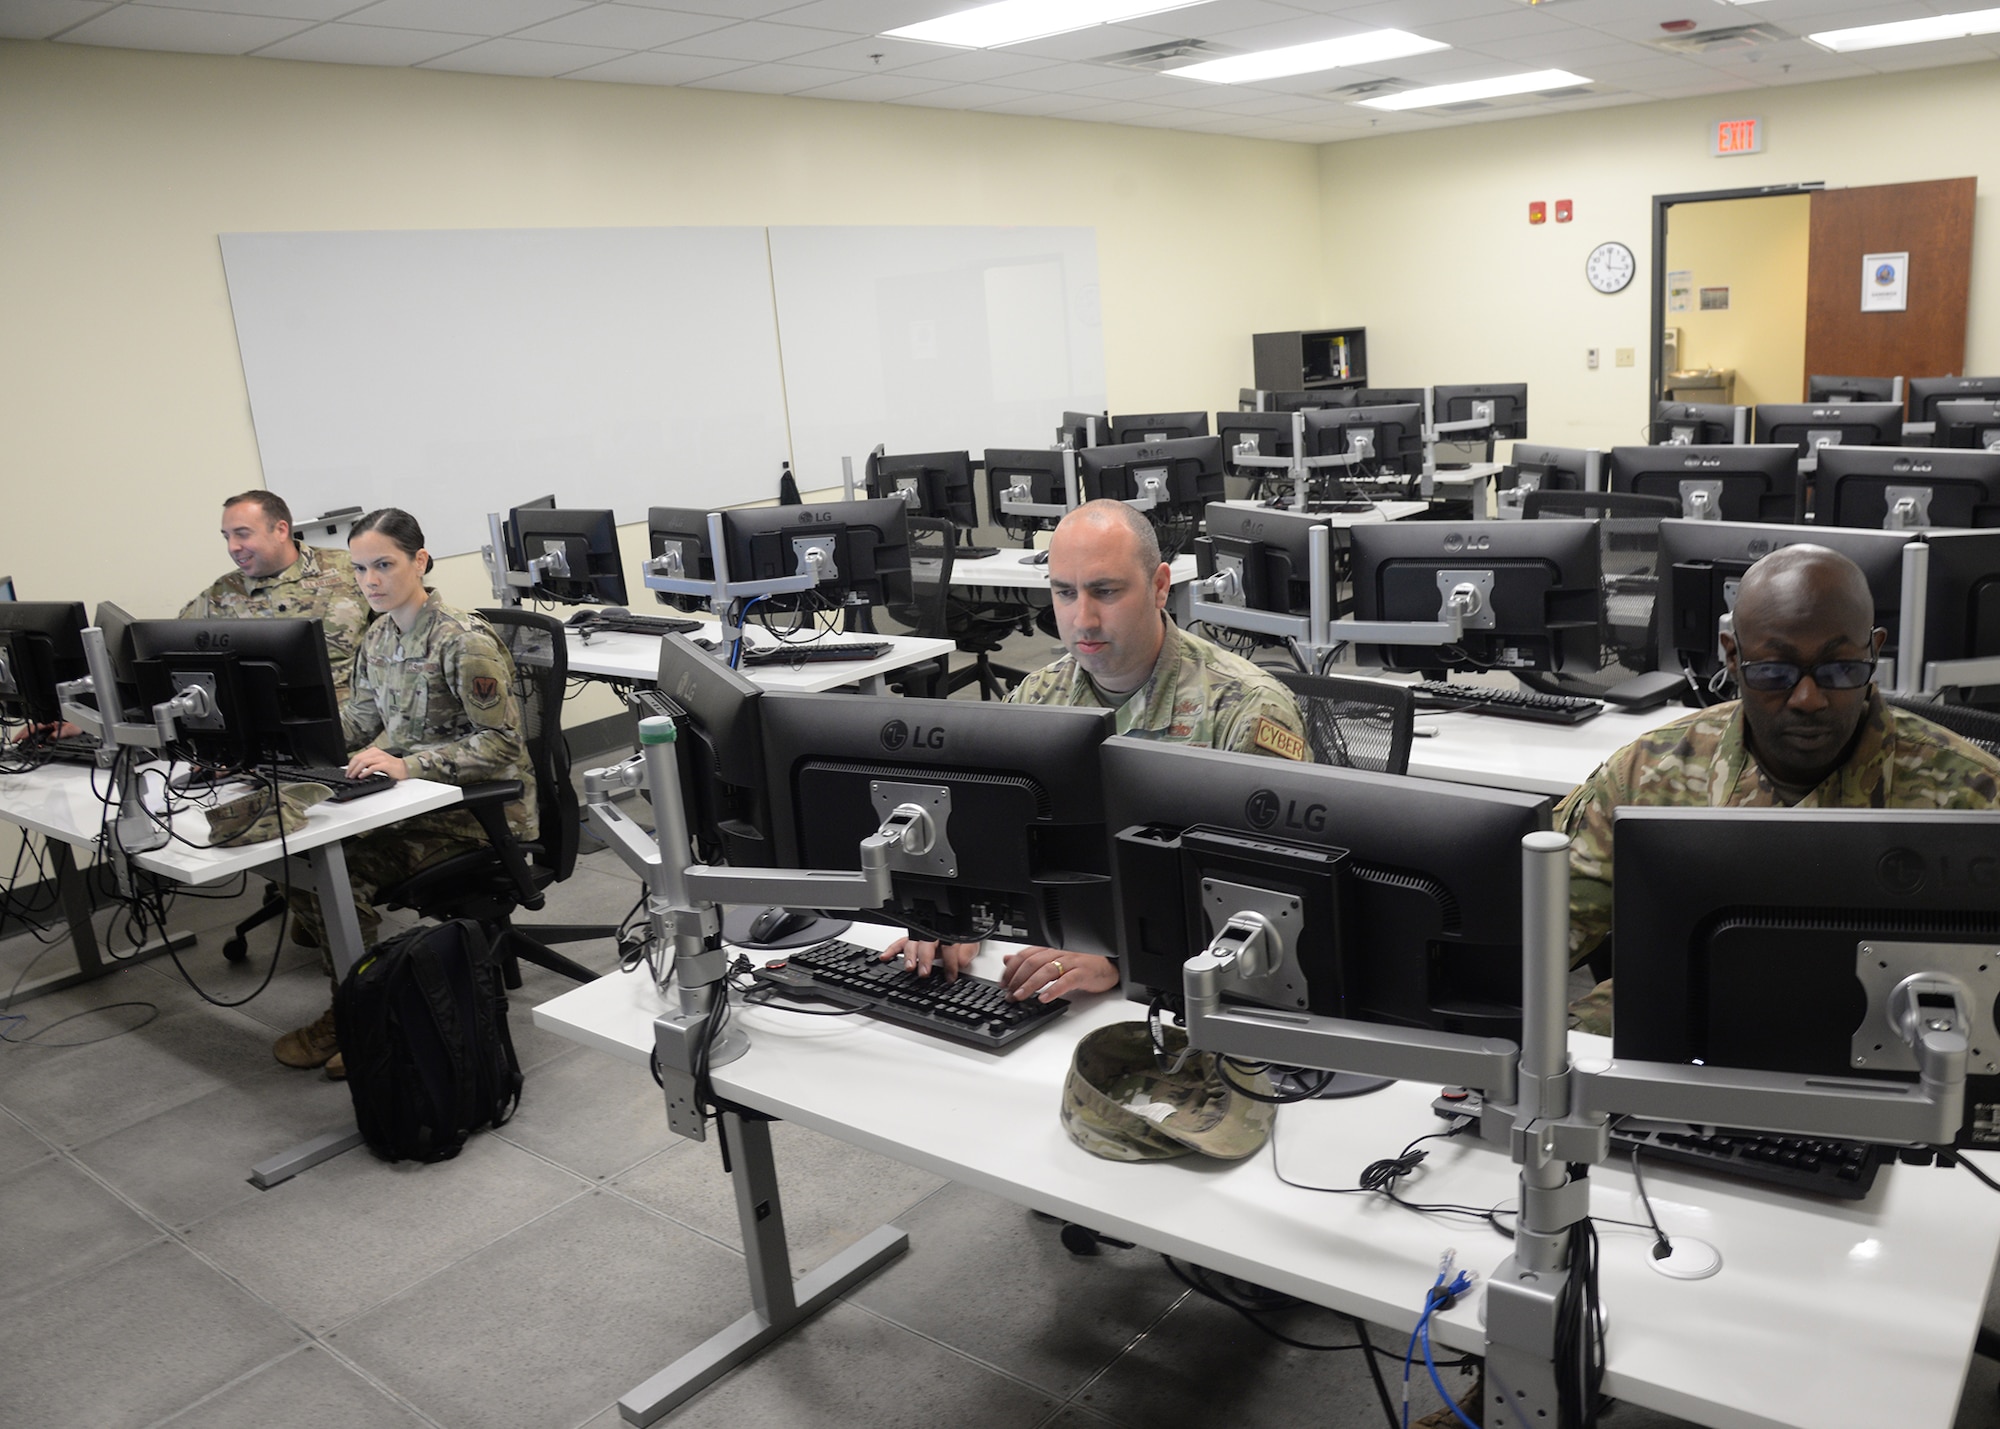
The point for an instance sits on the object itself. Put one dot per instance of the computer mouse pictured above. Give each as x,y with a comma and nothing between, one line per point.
1039,558
775,923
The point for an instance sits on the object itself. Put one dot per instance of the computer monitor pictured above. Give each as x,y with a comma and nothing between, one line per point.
866,543
1389,396
1965,422
1019,847
683,529
1267,434
1702,562
1399,900
1812,425
587,540
510,533
1854,389
117,625
1927,392
1501,409
1699,424
1083,429
1040,471
719,749
1253,400
1962,605
1753,938
1748,483
1538,583
1156,427
1182,476
1269,551
938,485
41,646
1389,439
270,680
1541,468
1906,488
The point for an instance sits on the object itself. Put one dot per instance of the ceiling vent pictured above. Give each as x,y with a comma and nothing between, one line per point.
1171,55
1370,88
1731,40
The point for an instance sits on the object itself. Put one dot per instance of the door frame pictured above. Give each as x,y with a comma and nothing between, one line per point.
1663,202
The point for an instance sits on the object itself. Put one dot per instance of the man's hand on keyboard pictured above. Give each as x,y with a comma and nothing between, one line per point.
61,730
1046,974
949,958
372,760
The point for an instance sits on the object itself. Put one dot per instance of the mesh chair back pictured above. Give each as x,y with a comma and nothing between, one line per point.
930,579
1980,726
541,669
1359,724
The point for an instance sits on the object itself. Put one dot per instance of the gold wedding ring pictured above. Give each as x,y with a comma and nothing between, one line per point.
1056,963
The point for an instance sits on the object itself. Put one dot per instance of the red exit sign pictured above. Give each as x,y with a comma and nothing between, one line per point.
1738,136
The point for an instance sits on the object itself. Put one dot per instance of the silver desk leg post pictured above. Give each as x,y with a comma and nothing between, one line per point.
343,932
780,1302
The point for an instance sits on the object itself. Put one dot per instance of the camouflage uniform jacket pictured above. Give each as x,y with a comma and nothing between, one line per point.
441,698
319,585
1198,694
1899,761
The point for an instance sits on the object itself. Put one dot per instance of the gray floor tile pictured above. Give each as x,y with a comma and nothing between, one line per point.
60,1222
834,1193
1978,1403
847,1369
352,1232
133,1341
307,1389
990,1279
299,992
193,1160
591,1114
553,1323
19,1146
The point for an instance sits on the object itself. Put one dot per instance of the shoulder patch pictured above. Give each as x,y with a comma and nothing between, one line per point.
483,691
1273,738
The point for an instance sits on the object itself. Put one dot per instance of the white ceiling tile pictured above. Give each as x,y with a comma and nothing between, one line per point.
1422,16
528,58
149,27
772,79
621,27
1043,104
275,9
1065,78
757,40
365,45
1119,111
871,86
654,67
860,56
463,17
971,96
870,17
40,19
975,66
1223,19
725,9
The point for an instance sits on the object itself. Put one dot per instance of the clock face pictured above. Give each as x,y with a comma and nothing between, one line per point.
1610,267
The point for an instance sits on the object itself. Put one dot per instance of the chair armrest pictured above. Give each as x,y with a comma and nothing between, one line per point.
488,803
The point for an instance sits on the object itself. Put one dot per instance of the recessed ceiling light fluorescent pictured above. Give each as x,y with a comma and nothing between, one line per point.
1477,89
1009,22
1910,32
1373,47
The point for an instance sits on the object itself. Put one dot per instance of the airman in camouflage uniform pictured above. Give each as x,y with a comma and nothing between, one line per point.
316,585
1198,694
1885,759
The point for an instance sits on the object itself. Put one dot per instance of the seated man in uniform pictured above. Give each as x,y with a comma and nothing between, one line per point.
1109,587
1810,731
278,577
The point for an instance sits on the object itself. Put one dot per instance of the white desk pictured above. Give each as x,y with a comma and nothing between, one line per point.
1824,1314
1343,520
1008,571
637,658
1520,754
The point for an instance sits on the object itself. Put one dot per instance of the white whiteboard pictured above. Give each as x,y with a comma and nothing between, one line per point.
929,339
458,372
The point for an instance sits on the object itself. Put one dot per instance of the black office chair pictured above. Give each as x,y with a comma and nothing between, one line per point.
1630,555
1980,726
1358,724
488,884
978,628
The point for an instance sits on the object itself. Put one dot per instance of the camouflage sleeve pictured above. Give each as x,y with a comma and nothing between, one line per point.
480,673
345,622
1266,722
1585,815
196,609
360,717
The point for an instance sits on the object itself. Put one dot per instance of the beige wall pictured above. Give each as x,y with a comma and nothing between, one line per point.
1428,242
121,392
1755,247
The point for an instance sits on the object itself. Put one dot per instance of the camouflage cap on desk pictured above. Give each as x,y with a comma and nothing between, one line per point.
1118,1104
254,817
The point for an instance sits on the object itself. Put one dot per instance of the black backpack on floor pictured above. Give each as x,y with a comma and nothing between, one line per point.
422,1025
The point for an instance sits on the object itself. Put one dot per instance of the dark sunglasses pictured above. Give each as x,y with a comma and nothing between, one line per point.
1779,676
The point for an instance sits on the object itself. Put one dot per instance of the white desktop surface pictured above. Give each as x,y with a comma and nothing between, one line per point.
637,657
57,801
1007,571
1825,1314
1522,754
1384,511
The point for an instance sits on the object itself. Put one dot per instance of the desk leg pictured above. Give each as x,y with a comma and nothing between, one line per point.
780,1301
90,961
343,930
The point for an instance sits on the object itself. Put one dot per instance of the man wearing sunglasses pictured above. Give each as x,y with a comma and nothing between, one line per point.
1810,731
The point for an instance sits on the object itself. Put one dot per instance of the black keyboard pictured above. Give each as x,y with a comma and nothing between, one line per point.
1820,1165
815,652
1512,704
968,1009
335,778
629,624
61,751
974,553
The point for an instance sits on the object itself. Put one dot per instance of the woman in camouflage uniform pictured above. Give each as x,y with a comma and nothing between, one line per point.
432,698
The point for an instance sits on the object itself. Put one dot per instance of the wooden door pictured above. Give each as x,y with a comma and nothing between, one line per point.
1932,222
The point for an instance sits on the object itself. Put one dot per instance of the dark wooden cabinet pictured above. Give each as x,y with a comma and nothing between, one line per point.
1303,361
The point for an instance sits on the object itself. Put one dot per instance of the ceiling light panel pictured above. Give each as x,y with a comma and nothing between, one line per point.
1374,47
1495,88
1910,32
1009,22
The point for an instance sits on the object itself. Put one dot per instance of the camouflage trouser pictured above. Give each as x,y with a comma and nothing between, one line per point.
374,861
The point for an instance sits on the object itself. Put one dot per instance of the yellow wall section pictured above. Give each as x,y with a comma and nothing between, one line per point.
1755,247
